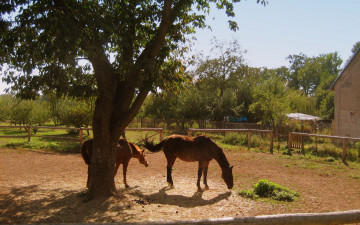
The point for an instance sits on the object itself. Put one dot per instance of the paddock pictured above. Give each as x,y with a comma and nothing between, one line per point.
42,187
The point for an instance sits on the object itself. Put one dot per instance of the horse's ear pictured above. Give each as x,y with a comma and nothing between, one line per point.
231,167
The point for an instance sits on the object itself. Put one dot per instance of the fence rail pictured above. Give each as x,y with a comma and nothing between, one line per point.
79,139
248,131
329,218
296,140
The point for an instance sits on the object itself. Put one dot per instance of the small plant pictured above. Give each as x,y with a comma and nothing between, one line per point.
248,194
330,159
268,189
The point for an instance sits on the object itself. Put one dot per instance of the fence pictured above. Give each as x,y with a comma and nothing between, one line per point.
296,140
248,131
81,130
184,124
329,218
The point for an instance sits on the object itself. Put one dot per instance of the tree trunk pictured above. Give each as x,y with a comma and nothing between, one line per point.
102,169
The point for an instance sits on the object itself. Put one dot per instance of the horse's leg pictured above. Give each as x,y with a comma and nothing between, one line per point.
200,171
125,165
205,170
88,180
170,163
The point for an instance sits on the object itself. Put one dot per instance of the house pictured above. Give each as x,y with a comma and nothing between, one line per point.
347,99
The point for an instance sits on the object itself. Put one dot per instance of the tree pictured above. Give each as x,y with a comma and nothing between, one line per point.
270,101
128,47
77,112
355,47
296,63
216,78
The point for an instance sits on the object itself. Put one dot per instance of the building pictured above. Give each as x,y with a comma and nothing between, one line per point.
347,99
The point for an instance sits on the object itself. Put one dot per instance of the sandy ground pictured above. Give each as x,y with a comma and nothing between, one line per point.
38,187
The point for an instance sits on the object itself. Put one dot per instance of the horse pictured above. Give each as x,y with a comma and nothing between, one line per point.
192,149
124,152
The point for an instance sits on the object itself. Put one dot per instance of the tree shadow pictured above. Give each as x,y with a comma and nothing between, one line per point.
179,200
31,204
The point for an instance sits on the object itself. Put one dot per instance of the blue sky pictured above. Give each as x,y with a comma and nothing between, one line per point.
286,27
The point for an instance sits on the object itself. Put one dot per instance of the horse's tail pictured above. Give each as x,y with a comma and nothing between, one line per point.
86,150
152,147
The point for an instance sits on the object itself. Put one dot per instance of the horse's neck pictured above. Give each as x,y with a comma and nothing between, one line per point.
221,159
134,151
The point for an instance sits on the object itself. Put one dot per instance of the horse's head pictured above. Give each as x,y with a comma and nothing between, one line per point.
142,159
227,176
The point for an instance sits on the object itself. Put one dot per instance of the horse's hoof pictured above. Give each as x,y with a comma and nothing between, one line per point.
127,186
206,188
200,190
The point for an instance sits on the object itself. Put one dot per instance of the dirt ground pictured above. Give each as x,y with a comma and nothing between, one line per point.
39,187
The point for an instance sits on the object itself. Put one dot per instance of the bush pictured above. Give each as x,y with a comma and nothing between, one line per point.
248,194
268,189
25,144
235,139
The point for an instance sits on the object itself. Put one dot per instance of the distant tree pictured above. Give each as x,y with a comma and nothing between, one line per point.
355,47
6,103
270,101
77,112
29,112
296,63
216,77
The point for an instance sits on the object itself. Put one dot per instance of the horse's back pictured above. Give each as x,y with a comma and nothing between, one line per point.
123,152
190,148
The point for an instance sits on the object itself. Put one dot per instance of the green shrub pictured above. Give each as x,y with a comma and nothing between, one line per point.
330,159
25,144
50,146
235,139
268,189
248,194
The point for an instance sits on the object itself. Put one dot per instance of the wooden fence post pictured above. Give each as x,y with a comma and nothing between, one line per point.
272,141
249,140
161,134
80,136
302,145
344,151
28,133
289,141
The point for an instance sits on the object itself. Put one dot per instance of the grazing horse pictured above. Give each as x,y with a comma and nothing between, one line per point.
124,152
189,149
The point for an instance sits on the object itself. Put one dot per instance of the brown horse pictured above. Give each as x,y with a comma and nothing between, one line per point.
189,149
124,152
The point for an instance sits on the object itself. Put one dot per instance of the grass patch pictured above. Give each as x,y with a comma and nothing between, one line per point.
267,189
65,147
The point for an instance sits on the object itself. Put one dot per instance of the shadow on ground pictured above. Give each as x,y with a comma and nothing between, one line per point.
162,197
31,204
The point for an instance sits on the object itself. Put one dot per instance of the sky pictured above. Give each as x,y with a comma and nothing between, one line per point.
284,27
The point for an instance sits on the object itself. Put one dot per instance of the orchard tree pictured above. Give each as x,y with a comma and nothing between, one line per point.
129,46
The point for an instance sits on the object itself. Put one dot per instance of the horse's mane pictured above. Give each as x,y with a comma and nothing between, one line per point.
223,162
